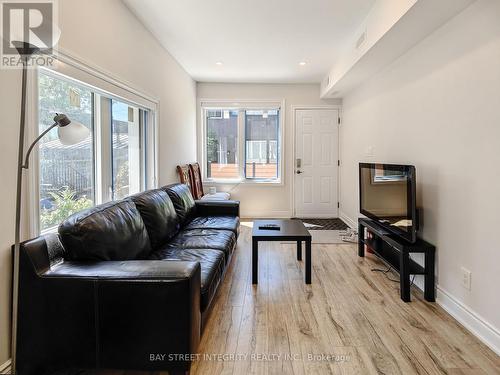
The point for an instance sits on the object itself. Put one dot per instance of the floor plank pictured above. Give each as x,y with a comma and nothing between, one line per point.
350,320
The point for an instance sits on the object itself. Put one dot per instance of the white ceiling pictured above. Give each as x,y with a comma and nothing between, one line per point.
256,40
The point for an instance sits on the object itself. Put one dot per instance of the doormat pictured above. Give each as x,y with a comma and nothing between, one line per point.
324,224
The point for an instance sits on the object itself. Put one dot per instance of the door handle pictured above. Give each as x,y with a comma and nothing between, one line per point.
298,171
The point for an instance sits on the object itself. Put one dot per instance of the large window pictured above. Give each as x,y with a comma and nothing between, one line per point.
242,144
66,172
110,164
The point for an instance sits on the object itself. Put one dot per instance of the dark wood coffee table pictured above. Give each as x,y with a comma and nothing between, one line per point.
290,230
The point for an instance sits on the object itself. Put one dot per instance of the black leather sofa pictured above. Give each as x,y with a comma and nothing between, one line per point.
124,285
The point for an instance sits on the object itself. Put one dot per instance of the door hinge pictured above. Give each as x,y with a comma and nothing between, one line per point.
338,120
338,204
338,163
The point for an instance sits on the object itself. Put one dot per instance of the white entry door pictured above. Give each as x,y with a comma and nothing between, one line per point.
316,163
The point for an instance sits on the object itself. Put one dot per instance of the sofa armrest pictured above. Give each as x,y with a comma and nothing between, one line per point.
217,208
144,270
114,314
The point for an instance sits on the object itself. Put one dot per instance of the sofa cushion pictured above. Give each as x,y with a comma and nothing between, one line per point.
158,214
111,231
211,263
224,240
183,201
231,223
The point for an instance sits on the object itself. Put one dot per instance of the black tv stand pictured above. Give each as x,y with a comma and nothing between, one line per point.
395,251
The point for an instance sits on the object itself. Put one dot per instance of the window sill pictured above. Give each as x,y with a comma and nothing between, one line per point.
244,182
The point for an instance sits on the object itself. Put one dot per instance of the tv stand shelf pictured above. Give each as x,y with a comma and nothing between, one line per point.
395,252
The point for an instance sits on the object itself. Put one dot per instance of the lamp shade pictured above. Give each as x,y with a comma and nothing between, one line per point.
72,133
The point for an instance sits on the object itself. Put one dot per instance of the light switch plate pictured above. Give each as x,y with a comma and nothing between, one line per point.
370,152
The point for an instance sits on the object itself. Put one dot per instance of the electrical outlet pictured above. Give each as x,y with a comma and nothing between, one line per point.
466,278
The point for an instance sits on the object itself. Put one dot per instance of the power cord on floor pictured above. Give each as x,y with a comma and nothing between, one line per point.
349,235
390,268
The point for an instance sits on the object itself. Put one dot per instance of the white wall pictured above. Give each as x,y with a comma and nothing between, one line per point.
265,200
438,107
105,34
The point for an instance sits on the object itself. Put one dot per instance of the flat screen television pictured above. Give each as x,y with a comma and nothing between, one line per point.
387,194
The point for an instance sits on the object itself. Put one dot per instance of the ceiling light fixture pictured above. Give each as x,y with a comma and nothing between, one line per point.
302,63
218,63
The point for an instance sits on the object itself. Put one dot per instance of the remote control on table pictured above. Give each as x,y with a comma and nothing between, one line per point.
270,227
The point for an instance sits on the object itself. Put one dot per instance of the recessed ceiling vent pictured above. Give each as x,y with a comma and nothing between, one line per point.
361,40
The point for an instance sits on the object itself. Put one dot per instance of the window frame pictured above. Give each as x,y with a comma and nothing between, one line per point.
103,86
241,106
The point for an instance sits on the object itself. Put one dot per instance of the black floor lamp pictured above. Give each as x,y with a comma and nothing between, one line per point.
69,132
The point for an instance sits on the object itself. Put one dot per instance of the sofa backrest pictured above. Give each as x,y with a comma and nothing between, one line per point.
111,231
183,201
158,214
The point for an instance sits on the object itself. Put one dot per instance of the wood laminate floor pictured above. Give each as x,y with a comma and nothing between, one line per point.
350,320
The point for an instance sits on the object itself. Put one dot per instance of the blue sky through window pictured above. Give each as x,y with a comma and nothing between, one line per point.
120,111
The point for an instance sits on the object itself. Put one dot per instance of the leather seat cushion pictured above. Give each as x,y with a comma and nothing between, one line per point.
231,223
224,240
111,231
183,201
211,263
158,214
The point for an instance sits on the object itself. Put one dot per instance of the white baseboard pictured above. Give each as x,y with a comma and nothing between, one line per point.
264,215
317,216
5,368
348,220
473,322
